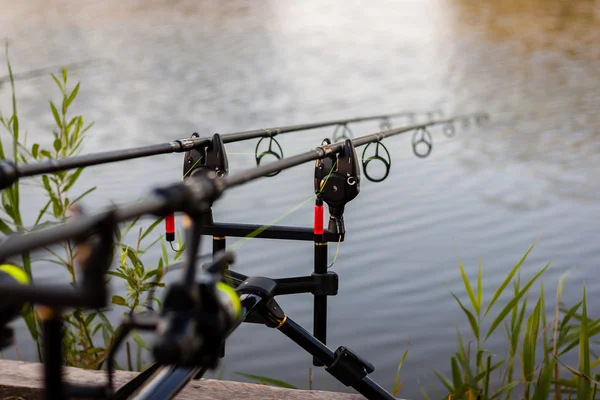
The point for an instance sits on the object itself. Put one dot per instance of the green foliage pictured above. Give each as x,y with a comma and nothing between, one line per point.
397,381
88,334
478,373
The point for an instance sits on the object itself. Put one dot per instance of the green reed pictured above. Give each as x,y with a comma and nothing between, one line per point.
88,334
532,367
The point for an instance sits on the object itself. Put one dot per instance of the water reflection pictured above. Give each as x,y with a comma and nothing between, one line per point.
533,65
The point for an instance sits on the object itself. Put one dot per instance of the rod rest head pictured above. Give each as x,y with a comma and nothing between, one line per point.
337,182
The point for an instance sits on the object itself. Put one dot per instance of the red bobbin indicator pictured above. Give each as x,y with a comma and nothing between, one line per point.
170,227
318,229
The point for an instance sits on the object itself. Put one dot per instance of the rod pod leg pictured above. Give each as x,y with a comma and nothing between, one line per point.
320,300
53,354
343,364
219,244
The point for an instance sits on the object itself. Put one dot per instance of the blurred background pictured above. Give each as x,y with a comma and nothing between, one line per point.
160,70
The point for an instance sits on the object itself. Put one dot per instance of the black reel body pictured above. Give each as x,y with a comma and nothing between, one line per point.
204,314
204,333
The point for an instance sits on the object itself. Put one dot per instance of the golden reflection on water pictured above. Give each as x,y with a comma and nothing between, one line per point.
535,65
554,24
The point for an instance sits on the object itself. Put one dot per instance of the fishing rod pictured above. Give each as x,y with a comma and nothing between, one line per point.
194,197
214,157
35,73
157,204
11,172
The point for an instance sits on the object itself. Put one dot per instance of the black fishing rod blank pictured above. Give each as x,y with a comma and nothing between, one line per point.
192,196
271,132
325,150
11,172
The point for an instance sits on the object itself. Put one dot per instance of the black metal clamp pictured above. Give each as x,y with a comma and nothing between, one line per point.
348,367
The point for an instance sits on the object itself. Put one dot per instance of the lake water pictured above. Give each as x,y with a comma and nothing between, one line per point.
165,69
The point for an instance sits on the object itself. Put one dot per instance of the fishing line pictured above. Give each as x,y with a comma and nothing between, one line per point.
257,231
252,235
337,250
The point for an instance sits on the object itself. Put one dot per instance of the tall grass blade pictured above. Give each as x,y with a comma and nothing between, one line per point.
544,324
151,227
559,290
397,382
468,288
470,317
509,386
514,301
565,336
507,280
463,356
544,384
529,346
456,376
445,381
583,385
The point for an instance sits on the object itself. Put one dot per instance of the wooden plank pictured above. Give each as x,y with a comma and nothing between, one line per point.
24,380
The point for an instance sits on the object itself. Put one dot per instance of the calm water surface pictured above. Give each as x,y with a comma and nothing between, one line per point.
168,68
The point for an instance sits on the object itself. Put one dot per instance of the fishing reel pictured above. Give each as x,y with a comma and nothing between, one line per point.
337,182
10,310
203,314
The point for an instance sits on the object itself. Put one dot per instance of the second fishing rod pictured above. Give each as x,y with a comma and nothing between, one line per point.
192,195
11,172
